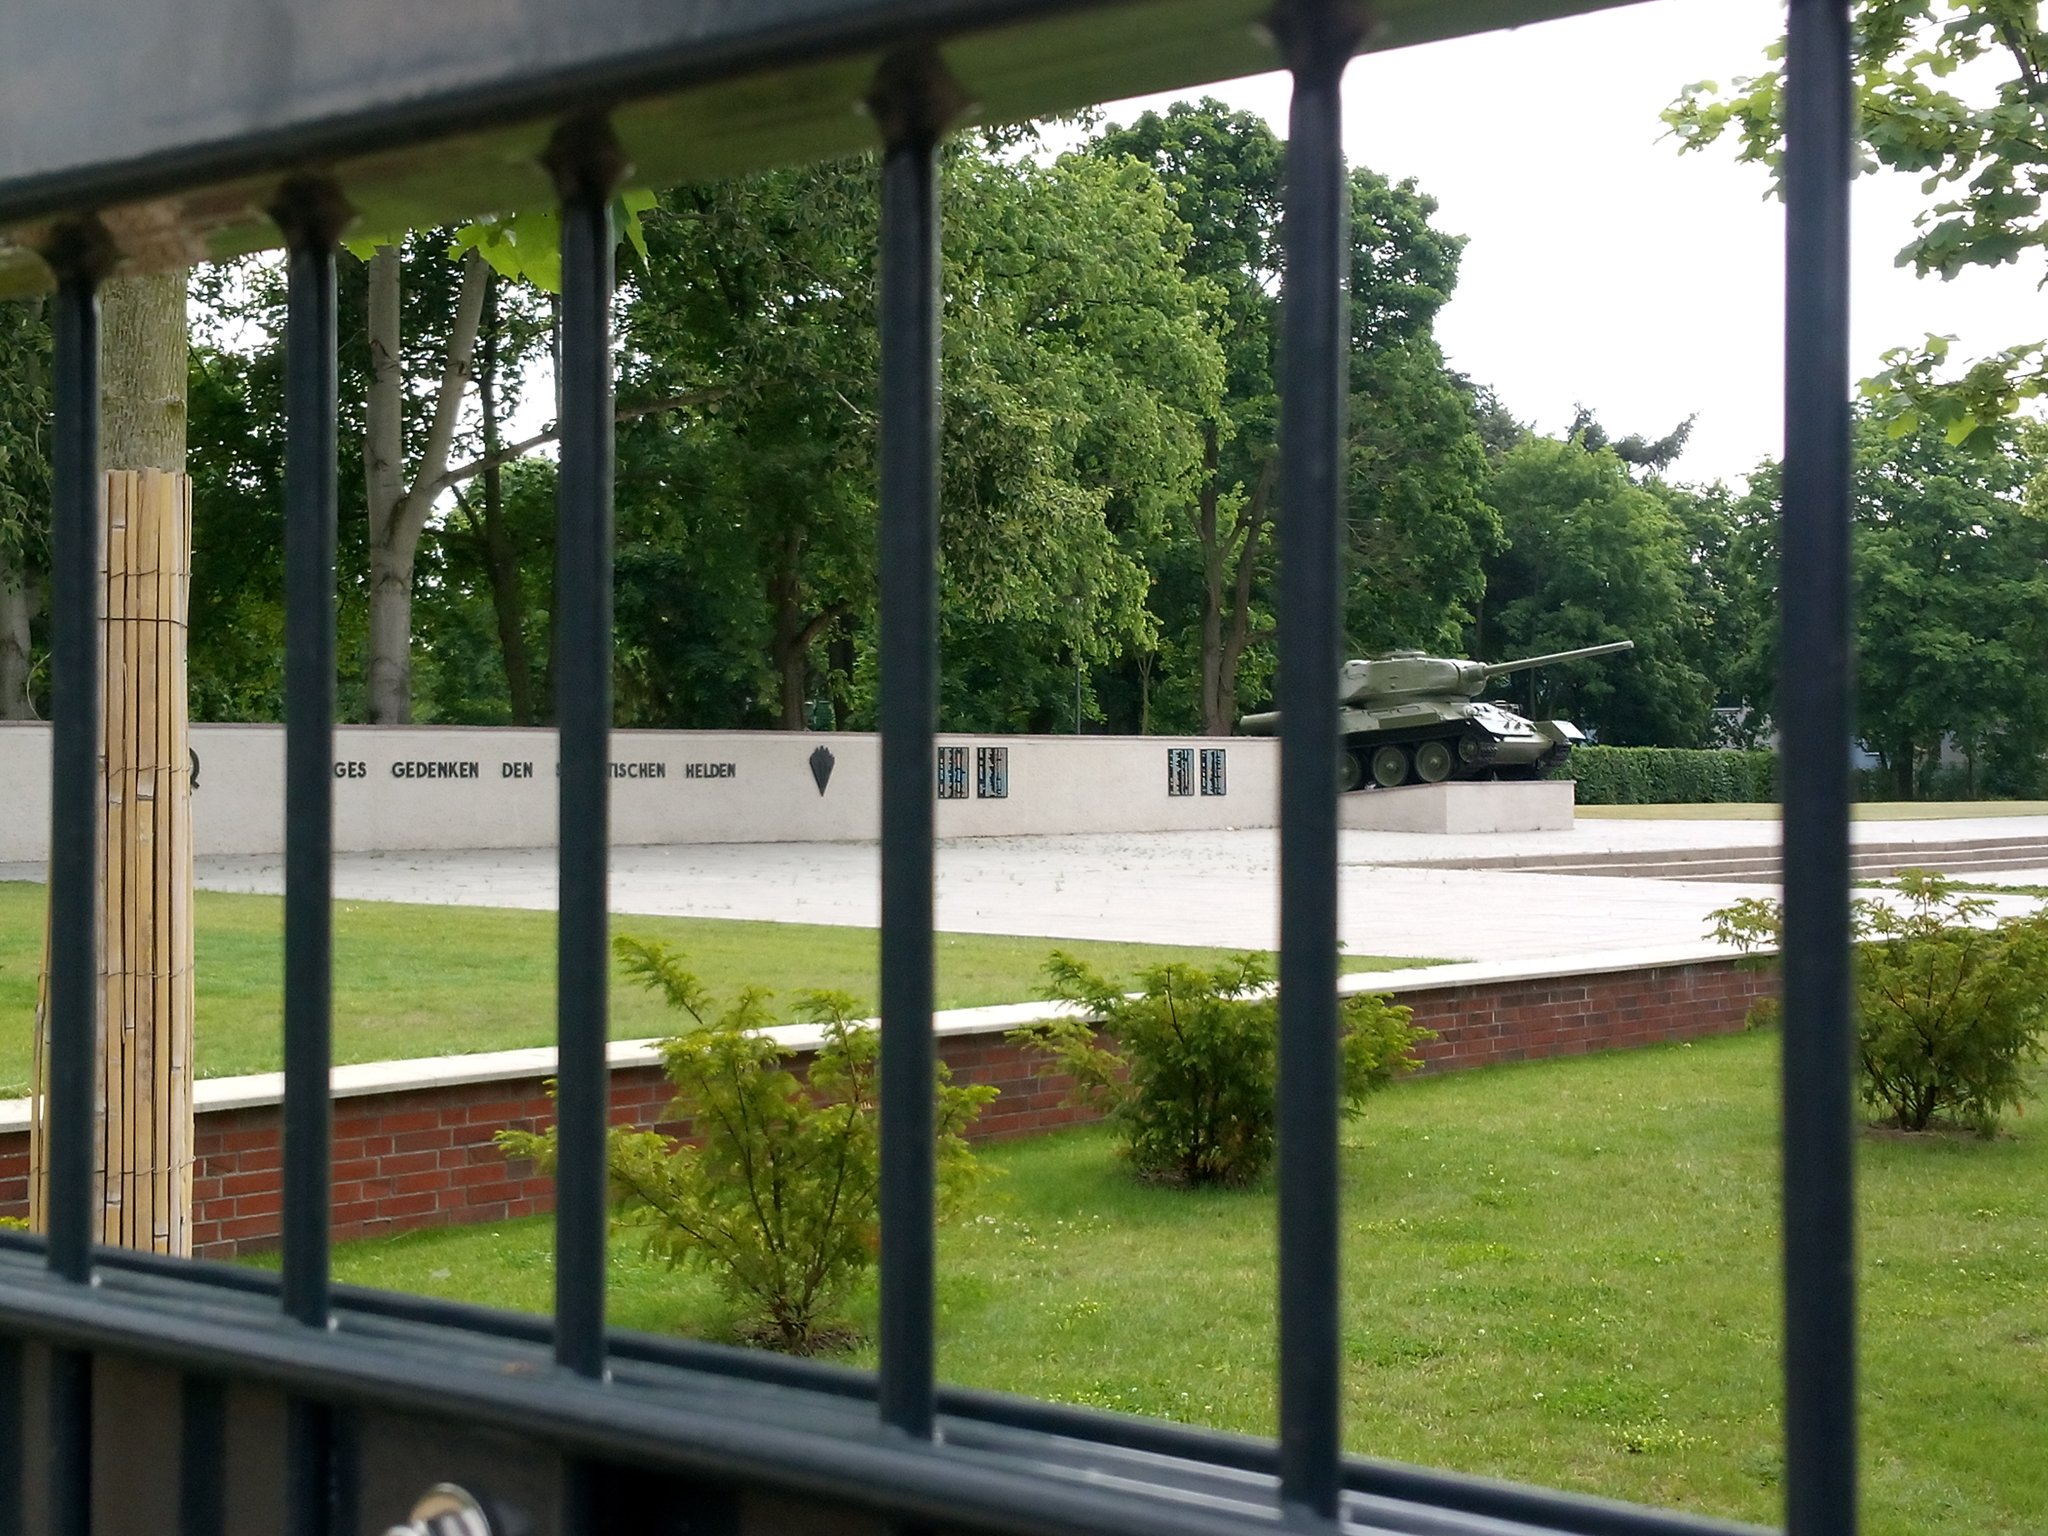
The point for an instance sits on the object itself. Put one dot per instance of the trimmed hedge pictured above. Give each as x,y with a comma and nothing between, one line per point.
1670,776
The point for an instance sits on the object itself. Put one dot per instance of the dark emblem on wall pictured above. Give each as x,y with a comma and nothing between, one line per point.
1213,781
194,751
821,767
992,773
1180,770
952,773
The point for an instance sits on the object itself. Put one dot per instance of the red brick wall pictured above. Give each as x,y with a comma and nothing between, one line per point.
1571,1015
425,1157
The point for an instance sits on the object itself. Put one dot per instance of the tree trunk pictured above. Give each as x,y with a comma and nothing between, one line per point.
398,511
1902,770
143,1182
17,607
1251,535
390,674
142,373
790,645
839,656
508,596
1212,589
1236,554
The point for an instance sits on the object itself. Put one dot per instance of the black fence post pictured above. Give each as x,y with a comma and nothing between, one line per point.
1815,714
1317,39
312,216
81,256
912,100
587,166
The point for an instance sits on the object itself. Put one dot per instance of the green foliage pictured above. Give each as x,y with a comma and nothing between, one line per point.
1592,556
1418,529
1950,1007
24,428
1670,776
1078,364
777,1200
1185,1067
24,499
527,247
1950,552
1982,155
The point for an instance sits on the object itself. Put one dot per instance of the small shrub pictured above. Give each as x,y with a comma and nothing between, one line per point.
1949,1009
778,1202
1187,1075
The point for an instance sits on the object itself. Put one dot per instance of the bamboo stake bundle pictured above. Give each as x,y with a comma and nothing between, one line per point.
143,1161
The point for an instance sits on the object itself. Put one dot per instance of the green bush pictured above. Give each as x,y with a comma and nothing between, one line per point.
1949,1009
1670,776
778,1202
1187,1067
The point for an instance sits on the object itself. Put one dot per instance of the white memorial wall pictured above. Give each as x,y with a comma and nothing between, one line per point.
401,788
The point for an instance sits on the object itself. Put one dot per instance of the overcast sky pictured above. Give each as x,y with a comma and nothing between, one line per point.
1604,267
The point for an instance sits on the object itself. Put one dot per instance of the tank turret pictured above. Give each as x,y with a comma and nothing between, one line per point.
1407,716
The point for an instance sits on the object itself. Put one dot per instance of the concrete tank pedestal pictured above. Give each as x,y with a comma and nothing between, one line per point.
1543,806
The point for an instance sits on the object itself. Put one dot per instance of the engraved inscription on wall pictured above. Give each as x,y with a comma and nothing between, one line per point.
952,773
412,769
992,773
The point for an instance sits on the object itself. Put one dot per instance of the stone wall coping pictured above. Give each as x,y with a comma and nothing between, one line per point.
263,1089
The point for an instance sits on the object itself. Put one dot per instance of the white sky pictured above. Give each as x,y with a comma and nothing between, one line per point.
1604,267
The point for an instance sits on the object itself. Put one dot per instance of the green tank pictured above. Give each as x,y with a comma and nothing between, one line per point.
1407,718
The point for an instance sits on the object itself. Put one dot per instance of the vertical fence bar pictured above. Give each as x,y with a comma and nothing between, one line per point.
1814,694
202,1457
75,603
81,259
309,662
13,1454
1317,40
909,109
587,166
311,216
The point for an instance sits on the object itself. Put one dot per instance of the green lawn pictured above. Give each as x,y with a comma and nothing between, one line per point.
1870,810
1564,1272
435,980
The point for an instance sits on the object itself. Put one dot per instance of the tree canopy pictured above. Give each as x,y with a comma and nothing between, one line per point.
1109,456
1955,92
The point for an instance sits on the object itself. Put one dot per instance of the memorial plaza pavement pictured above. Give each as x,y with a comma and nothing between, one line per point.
1401,893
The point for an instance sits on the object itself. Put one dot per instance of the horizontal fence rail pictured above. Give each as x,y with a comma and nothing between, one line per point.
329,1388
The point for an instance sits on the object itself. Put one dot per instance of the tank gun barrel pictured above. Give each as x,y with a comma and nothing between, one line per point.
1502,668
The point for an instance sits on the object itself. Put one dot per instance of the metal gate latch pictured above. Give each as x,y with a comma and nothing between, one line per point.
445,1510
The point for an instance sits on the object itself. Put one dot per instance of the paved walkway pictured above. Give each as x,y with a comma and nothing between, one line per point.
1180,888
1174,888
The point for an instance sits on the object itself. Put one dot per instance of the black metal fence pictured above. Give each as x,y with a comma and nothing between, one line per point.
290,1403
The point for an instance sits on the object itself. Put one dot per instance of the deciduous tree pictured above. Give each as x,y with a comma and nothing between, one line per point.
1591,556
1951,566
1956,92
24,496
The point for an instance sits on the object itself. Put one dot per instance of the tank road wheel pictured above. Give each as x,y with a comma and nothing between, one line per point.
1433,761
1350,771
1390,766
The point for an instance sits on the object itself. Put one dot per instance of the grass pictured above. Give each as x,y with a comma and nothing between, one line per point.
1563,1273
1870,810
445,980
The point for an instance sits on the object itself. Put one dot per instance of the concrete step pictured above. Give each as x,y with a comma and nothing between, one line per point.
1867,860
